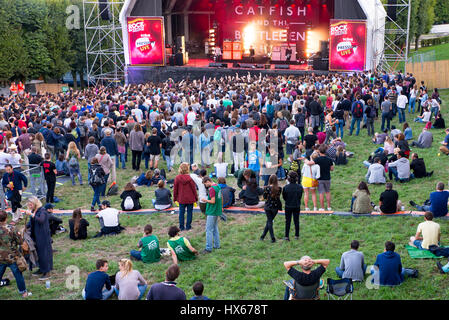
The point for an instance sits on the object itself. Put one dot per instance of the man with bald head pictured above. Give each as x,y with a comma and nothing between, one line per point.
306,277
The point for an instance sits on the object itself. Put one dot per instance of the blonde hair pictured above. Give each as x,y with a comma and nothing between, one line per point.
127,266
184,168
36,202
388,140
72,147
147,135
340,150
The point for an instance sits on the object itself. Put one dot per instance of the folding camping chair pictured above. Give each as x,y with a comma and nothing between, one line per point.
339,289
299,292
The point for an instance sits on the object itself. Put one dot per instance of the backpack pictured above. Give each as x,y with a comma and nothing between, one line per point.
439,251
113,190
128,204
283,125
300,120
74,133
373,113
95,178
73,163
83,130
358,110
339,113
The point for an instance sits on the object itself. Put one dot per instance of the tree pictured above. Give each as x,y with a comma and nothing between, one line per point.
442,12
424,19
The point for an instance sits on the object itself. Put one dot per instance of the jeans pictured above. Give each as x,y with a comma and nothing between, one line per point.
418,244
103,186
146,157
419,120
370,126
353,121
385,116
401,113
265,179
106,293
339,126
411,106
423,208
434,112
340,272
20,281
142,288
122,159
182,209
289,212
393,171
136,255
96,199
212,233
169,161
375,272
75,172
271,214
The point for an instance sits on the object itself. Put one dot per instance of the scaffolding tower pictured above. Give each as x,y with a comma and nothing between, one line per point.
395,34
104,44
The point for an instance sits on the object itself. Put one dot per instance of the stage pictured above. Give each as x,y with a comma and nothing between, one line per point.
198,68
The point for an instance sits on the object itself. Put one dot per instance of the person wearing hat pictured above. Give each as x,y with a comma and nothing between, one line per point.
109,220
53,220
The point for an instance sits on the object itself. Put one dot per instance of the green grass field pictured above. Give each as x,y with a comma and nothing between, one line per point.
245,267
441,53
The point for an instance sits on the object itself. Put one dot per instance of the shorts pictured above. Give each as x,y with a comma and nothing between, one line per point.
290,148
154,157
324,186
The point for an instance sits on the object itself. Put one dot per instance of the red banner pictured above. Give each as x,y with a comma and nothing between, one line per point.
347,45
146,41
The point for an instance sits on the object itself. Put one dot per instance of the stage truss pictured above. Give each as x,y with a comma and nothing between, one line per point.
104,44
395,34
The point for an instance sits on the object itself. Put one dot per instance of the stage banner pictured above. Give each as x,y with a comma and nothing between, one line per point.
146,41
347,45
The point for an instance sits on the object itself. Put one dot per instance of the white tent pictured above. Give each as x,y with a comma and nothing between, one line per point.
375,41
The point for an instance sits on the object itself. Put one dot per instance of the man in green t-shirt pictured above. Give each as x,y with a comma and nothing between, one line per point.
180,247
150,247
214,209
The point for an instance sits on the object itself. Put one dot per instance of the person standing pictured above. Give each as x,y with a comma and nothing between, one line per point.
96,181
112,149
214,209
9,241
272,194
40,233
13,181
154,142
292,194
357,115
136,144
73,157
106,162
386,108
34,160
184,192
401,104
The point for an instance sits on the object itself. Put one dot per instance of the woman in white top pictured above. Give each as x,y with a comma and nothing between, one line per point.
425,116
15,159
129,283
412,103
310,175
389,145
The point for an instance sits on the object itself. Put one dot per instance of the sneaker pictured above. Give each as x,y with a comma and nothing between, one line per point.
440,267
430,174
4,282
44,276
223,217
306,209
37,273
315,209
296,238
28,294
329,209
412,203
92,209
286,239
321,209
288,284
273,240
205,251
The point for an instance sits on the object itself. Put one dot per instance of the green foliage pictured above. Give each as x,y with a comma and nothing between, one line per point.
442,12
434,42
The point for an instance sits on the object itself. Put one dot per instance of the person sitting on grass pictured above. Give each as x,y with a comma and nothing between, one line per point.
425,116
428,233
145,179
198,289
425,139
352,264
130,198
388,270
163,197
62,167
243,176
109,220
167,290
96,281
437,203
180,247
306,277
129,283
157,176
250,195
379,138
341,159
389,200
227,192
419,167
150,247
78,226
361,201
376,172
400,169
445,144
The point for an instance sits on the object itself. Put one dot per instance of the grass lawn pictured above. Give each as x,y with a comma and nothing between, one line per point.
245,267
441,53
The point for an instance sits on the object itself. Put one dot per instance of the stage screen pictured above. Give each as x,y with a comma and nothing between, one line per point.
264,26
347,45
146,41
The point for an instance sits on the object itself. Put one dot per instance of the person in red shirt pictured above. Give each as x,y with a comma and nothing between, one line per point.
21,88
13,88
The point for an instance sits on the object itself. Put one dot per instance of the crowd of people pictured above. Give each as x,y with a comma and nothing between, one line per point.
261,129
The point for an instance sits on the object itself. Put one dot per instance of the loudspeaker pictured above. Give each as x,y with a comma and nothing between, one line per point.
171,59
324,48
391,10
268,66
103,6
321,64
236,65
260,66
179,59
218,65
181,43
282,66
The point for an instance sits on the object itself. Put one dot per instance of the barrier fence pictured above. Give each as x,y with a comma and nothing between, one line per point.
425,68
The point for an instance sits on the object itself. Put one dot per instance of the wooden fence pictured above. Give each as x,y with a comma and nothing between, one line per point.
435,74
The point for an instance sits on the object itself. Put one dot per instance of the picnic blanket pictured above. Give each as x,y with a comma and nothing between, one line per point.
416,253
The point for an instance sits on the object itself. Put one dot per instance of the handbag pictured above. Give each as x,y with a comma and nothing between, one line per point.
314,181
21,263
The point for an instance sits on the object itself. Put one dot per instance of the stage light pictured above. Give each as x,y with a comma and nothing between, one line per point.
249,37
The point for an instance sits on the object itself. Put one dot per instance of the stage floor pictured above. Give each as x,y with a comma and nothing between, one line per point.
204,63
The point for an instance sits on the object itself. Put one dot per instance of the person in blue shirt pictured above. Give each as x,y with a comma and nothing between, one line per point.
445,144
388,270
96,281
407,131
198,289
254,158
13,182
438,202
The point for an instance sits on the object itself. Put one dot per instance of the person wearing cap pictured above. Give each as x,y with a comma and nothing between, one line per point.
109,220
53,220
